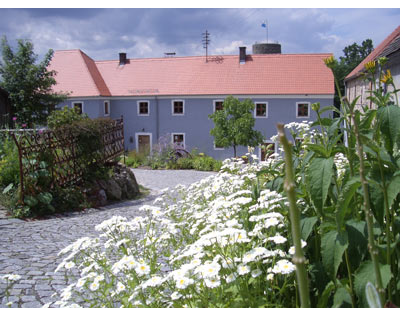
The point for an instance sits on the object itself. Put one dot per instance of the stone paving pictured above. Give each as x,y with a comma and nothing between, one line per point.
30,248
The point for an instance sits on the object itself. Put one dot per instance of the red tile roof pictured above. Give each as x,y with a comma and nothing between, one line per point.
261,74
375,53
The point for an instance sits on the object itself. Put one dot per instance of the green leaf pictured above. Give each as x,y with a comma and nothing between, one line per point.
8,188
333,245
323,300
30,201
306,226
345,196
319,149
377,200
393,189
358,241
365,274
45,197
342,298
388,119
319,175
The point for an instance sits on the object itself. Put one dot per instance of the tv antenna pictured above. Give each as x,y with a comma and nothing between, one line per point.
206,42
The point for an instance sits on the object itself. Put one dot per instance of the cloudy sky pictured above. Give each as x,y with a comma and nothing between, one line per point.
150,32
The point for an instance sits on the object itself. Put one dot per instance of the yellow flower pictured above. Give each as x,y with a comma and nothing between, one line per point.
387,78
370,66
330,62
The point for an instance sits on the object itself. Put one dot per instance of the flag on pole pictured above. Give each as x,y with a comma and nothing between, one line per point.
264,24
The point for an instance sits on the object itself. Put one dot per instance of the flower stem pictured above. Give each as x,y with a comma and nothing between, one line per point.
298,259
367,205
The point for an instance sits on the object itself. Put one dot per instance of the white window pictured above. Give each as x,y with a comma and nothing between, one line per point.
178,139
218,105
106,108
178,107
143,108
261,110
302,109
78,105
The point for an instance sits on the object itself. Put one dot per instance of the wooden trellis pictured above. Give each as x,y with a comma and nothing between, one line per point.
65,168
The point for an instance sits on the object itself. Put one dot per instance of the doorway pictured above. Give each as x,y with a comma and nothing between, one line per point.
143,143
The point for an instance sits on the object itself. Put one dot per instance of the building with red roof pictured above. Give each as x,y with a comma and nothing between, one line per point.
358,86
171,97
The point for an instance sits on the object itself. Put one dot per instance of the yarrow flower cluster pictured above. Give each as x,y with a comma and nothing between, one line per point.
215,236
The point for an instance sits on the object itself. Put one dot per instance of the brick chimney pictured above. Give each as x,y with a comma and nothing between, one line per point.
242,55
122,59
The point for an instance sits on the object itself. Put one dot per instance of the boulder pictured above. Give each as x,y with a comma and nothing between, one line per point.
113,190
122,185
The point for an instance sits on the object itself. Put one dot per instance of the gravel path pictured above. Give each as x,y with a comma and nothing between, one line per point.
29,248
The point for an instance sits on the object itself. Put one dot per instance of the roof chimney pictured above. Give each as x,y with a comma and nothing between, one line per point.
242,55
122,59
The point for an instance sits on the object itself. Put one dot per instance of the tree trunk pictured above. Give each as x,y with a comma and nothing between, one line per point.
234,150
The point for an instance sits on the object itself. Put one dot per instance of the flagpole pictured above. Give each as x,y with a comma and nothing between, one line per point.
266,23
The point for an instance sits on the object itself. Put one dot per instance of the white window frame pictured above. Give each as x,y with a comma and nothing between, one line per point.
309,108
138,107
266,109
214,105
267,142
104,107
184,138
218,148
83,105
172,107
137,140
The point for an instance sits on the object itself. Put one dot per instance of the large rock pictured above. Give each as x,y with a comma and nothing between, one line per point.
122,185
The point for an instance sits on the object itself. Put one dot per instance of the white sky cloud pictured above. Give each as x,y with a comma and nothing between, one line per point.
102,34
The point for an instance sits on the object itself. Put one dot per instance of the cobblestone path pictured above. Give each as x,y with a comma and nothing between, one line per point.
29,248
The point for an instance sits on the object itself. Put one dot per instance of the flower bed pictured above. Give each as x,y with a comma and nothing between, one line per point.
215,244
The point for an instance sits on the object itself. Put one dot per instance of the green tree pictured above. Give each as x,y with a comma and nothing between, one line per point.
234,125
28,83
353,55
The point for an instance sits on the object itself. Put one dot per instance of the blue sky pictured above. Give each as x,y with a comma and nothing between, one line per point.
149,32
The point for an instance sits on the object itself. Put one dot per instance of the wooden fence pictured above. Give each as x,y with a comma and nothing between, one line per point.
65,168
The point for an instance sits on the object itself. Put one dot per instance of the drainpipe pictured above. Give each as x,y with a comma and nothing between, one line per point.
157,120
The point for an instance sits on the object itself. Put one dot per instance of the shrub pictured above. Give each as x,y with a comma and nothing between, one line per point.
65,116
134,159
184,163
9,163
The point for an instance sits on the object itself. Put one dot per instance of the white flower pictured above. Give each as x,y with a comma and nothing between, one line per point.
69,265
99,278
153,281
142,269
11,277
120,287
81,282
278,239
292,249
208,270
94,286
284,267
255,273
243,269
9,304
73,306
183,283
230,278
176,296
212,282
270,276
